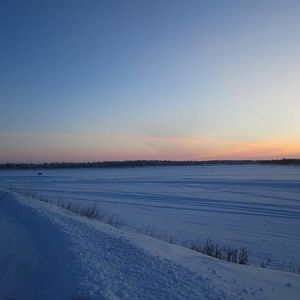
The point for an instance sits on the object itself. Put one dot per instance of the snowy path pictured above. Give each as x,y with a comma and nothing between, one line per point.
34,261
48,253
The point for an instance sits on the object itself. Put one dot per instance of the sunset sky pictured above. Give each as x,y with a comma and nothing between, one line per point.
113,80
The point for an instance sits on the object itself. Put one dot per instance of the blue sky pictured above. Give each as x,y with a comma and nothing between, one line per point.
107,80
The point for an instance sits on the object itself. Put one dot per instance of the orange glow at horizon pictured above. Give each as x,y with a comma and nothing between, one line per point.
93,148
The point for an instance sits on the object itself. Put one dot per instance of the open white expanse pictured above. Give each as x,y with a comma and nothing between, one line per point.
252,205
49,253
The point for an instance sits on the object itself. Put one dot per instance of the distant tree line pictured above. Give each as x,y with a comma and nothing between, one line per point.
140,163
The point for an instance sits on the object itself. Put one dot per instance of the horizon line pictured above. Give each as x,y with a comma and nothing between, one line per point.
141,163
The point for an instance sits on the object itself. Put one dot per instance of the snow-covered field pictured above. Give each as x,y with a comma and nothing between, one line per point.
256,206
49,253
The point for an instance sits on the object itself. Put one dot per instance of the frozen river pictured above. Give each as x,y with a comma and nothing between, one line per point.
256,206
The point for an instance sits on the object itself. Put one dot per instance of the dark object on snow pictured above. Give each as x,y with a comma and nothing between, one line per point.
40,173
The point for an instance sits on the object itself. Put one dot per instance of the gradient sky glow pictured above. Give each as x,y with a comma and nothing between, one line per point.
113,80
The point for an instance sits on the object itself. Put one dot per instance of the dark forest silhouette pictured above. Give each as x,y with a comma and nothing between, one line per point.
141,163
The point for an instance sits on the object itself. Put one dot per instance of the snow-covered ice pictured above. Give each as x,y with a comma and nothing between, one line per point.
256,206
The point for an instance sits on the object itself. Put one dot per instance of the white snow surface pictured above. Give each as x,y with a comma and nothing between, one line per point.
253,206
49,253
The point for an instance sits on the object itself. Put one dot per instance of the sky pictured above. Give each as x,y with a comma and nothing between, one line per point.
117,80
